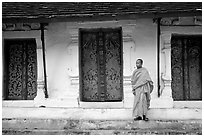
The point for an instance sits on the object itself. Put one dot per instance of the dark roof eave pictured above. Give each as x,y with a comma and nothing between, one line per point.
91,17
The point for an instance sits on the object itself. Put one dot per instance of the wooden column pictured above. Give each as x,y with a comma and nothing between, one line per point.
44,61
158,55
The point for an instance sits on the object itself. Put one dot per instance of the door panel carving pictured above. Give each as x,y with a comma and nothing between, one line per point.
15,69
31,71
21,67
101,65
194,66
177,69
89,73
113,65
186,67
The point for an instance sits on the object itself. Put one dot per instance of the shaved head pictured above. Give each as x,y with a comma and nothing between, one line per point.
139,63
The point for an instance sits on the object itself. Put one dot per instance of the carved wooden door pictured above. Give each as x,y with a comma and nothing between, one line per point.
186,61
101,76
20,69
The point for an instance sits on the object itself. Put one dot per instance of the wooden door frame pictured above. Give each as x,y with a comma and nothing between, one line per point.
186,94
80,57
5,65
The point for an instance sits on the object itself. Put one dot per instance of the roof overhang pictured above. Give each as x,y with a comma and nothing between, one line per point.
97,17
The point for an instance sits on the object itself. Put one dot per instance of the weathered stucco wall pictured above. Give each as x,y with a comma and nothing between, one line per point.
61,40
62,54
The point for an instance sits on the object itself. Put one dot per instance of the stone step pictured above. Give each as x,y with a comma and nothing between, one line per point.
97,127
99,114
100,132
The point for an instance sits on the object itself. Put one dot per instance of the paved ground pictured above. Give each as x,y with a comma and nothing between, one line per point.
100,127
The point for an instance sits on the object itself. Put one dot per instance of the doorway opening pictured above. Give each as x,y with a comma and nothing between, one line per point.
101,64
186,67
20,69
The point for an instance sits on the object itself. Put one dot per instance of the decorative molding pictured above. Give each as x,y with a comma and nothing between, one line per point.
126,80
74,80
39,47
21,26
168,21
198,20
166,76
38,100
74,35
127,38
167,54
74,39
166,50
40,84
167,45
161,84
39,43
128,29
182,21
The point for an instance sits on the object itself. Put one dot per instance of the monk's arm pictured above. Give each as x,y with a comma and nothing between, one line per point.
151,86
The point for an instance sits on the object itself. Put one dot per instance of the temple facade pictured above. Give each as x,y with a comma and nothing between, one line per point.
88,63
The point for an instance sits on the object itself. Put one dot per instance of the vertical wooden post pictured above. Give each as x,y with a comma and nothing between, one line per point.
44,63
158,55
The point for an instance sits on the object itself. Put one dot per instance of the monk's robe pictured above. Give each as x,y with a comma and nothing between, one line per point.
142,86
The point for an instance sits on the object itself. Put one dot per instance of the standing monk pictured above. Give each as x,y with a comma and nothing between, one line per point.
142,86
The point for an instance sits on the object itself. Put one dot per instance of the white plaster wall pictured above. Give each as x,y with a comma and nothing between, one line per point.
58,40
145,38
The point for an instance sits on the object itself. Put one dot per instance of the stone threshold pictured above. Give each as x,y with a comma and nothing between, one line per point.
104,105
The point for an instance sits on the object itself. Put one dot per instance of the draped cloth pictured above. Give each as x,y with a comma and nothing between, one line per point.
142,86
